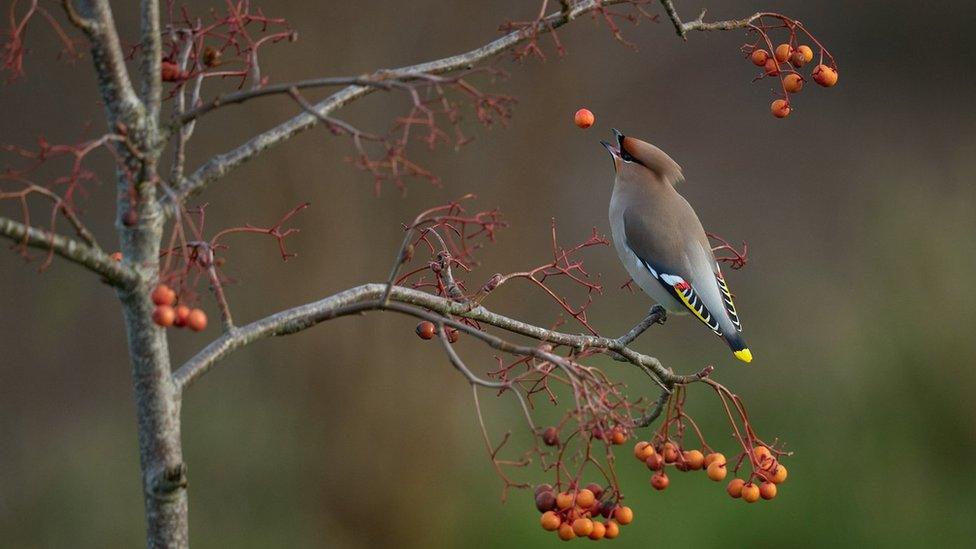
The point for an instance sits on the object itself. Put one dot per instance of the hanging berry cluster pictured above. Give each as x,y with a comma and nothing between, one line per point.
576,513
785,60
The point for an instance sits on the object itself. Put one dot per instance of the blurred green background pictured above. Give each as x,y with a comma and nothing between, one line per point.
858,301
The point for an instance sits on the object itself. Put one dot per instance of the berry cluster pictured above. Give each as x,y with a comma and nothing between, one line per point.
785,60
574,513
167,313
767,470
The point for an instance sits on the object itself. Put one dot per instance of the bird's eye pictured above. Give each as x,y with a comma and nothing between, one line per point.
626,156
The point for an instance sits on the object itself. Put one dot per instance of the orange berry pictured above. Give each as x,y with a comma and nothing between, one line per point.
164,315
824,75
550,521
771,67
761,454
582,527
780,108
694,458
453,335
425,329
613,530
550,436
182,313
735,487
759,57
163,295
717,471
767,490
599,530
783,52
584,118
750,492
585,499
714,456
655,462
643,450
117,256
618,436
806,52
564,500
670,452
566,532
624,515
793,82
659,481
197,320
779,476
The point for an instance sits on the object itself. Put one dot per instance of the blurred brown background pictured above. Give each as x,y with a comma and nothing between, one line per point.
858,300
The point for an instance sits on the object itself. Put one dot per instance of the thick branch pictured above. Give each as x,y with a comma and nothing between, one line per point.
113,272
118,95
220,165
370,297
152,47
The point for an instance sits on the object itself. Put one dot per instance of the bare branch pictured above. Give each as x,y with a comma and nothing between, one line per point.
698,24
118,95
113,272
369,297
220,165
152,47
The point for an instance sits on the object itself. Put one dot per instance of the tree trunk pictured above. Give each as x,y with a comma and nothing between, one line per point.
157,397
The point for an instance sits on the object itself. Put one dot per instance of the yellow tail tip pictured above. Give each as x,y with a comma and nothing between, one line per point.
745,355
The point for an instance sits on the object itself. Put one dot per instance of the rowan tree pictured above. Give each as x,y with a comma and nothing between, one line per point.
169,261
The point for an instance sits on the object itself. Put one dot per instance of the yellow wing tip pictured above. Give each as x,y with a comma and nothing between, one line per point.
745,355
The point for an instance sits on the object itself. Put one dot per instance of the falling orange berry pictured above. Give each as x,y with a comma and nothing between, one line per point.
780,108
584,118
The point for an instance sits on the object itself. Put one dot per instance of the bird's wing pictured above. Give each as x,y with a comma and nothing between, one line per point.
668,264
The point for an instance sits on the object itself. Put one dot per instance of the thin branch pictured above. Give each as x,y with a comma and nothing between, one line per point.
657,315
369,297
112,271
699,24
220,165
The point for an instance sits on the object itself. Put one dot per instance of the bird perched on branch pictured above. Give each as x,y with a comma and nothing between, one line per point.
662,243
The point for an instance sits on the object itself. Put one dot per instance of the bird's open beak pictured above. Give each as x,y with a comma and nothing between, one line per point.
614,150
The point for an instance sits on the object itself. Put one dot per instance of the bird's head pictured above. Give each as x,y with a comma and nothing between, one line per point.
635,158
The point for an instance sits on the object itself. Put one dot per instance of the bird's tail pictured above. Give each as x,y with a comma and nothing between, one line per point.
739,347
